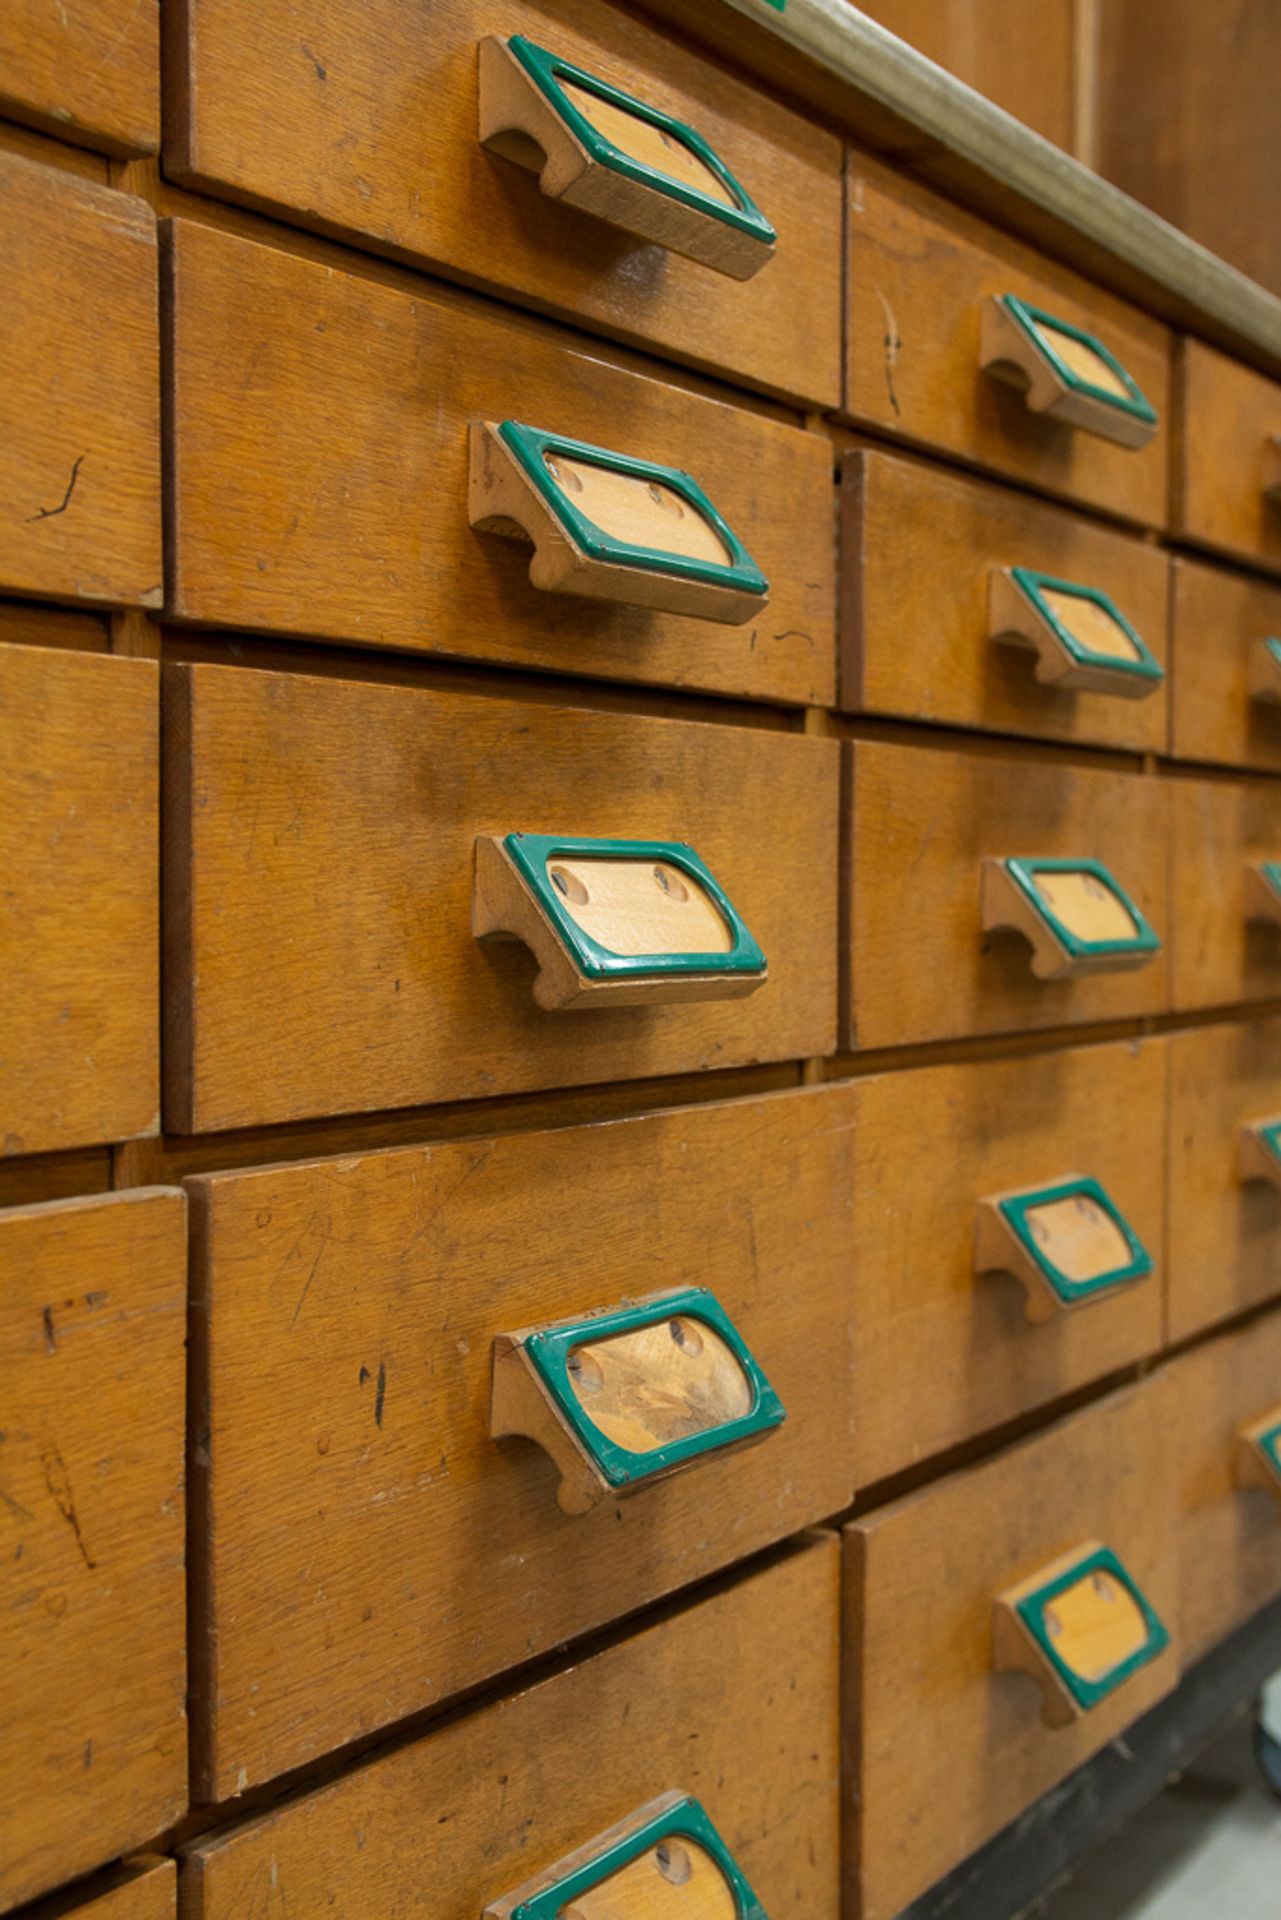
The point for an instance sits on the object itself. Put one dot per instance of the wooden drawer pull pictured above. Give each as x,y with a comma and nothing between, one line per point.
1261,1151
1079,1628
614,923
1082,641
1065,372
1265,670
664,1862
1259,1454
1078,919
612,155
1263,891
1067,1244
607,527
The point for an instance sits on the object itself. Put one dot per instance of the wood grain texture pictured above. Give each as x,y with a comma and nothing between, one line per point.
358,123
89,72
369,1549
897,588
1217,828
79,909
25,625
944,1752
145,1888
733,1700
1219,621
919,270
319,486
942,1353
1018,57
1224,1234
80,409
1229,415
92,1722
918,965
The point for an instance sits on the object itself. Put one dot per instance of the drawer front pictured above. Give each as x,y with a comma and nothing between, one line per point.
321,480
918,963
79,455
919,273
1226,644
944,1750
141,1893
1228,456
714,1701
1224,1228
92,75
1229,1532
370,130
956,671
1225,943
364,1487
943,1351
323,848
92,1329
79,911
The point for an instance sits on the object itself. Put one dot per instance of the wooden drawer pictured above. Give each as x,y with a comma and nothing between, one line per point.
320,487
145,1890
370,131
919,272
79,910
1229,1528
1224,1231
1228,456
80,413
322,853
943,1351
403,1554
943,1751
918,965
89,74
733,1700
1225,919
92,1329
1226,683
955,671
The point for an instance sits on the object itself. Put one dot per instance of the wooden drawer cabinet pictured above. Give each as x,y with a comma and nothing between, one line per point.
1226,683
1229,1531
370,130
919,273
941,592
89,74
79,909
320,488
79,448
918,964
1227,478
146,1890
1225,914
93,1758
943,1350
732,1700
943,1749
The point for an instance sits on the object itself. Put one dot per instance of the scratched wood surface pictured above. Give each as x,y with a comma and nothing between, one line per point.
80,403
918,272
733,1699
93,1752
319,482
944,1752
1217,955
1219,621
79,907
356,122
1229,416
88,72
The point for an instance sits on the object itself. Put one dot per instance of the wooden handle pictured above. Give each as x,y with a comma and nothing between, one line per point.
1265,670
1263,891
1063,371
1078,1627
1261,1151
1066,1244
666,1861
1077,918
1259,1455
607,153
631,1396
1082,641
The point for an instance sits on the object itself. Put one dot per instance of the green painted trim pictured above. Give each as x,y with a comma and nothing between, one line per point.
1024,872
1272,646
1270,1134
1269,1445
531,854
1015,1210
1031,1611
687,1820
1032,585
550,1347
547,70
529,446
1040,327
1271,873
